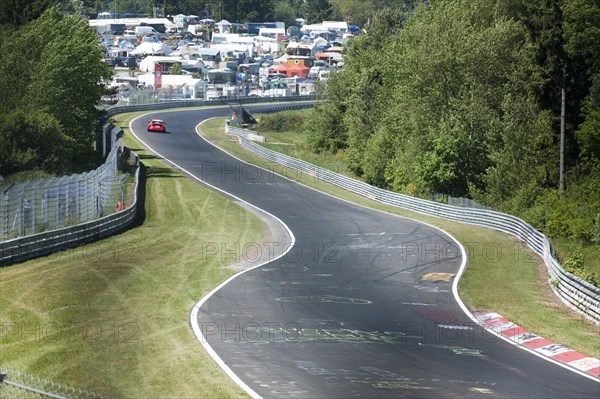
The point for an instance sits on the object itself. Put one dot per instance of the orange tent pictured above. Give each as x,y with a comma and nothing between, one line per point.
298,70
283,68
323,55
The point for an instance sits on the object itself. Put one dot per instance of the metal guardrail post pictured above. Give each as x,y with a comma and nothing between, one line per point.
3,215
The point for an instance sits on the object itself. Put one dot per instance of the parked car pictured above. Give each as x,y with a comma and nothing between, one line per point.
156,125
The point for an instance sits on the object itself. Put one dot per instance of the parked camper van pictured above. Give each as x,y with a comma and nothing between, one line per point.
145,31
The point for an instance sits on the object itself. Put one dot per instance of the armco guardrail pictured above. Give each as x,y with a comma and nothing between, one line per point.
28,247
285,108
575,292
254,136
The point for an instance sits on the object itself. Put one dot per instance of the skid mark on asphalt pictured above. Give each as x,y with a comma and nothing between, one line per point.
325,299
481,390
458,350
386,380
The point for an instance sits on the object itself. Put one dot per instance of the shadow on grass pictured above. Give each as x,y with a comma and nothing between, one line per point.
157,171
150,157
140,215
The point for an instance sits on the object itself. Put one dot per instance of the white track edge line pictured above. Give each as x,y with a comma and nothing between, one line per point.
454,285
458,274
507,339
196,308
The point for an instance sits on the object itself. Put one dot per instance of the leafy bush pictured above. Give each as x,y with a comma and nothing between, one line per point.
281,121
31,139
574,263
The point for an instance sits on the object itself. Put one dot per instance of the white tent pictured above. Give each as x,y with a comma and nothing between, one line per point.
281,60
224,26
266,44
187,50
151,49
271,32
319,41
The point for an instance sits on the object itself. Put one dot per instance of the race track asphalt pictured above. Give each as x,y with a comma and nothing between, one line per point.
361,306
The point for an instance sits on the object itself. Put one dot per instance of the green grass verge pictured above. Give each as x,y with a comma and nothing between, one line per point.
502,275
112,316
292,143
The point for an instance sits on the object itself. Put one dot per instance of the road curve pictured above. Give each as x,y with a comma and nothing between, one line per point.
361,306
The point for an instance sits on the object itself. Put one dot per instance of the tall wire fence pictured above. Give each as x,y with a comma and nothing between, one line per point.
214,93
35,206
16,384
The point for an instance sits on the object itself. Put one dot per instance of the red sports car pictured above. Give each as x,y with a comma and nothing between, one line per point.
156,125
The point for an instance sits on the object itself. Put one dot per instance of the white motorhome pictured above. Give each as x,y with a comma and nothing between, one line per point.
145,31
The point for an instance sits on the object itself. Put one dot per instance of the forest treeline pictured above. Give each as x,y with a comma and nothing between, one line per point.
51,80
357,12
464,98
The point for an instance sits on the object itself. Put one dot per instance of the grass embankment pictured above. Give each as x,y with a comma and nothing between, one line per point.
502,275
291,142
112,317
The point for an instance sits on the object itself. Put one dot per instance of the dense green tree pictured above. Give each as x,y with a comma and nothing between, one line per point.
176,69
565,37
327,131
53,65
369,92
14,13
588,133
357,92
285,12
31,140
359,12
255,10
317,11
427,102
582,42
